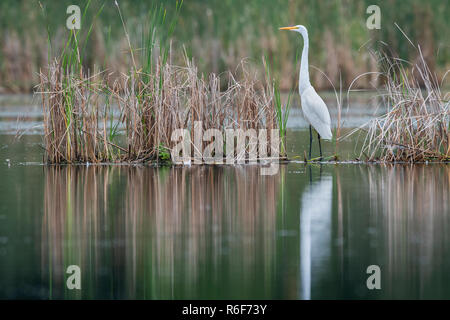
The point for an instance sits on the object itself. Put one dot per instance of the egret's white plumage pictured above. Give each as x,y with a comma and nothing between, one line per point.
314,108
316,112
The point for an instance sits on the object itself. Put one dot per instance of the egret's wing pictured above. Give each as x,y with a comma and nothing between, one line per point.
316,112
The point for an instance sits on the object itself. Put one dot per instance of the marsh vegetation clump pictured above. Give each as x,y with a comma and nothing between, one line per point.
85,120
415,126
153,106
106,116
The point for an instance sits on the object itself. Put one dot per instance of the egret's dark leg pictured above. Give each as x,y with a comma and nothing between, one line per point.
310,141
310,175
320,147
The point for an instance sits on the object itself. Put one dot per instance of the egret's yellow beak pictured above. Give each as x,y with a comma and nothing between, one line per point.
288,28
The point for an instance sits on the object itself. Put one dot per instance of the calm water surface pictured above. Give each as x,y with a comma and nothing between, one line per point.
308,232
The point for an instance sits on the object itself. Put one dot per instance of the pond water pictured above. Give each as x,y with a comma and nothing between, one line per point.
219,232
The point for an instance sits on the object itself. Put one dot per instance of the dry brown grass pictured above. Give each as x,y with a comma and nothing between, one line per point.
415,127
79,125
74,117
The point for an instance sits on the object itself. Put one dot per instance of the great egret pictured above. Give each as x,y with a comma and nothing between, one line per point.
314,109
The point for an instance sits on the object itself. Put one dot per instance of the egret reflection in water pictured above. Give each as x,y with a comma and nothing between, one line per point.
315,231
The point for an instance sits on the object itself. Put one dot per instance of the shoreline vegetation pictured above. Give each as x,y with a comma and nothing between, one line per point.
98,115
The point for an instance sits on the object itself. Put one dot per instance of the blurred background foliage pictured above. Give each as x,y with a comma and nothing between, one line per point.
218,34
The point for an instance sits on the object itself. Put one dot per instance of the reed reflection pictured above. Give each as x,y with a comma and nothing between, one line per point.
74,225
139,232
228,232
410,204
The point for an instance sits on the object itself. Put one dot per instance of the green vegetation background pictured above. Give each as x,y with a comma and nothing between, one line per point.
218,34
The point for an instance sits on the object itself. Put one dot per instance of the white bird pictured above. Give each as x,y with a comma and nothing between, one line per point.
314,109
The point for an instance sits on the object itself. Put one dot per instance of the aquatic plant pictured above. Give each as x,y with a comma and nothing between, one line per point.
282,108
88,119
415,127
71,101
73,117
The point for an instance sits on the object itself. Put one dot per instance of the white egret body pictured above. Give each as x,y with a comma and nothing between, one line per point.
314,109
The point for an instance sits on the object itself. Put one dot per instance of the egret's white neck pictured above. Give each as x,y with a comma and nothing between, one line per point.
304,72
